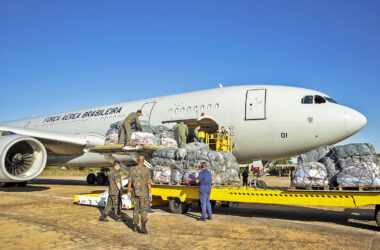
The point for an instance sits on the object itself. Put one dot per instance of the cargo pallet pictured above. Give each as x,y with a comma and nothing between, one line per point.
180,198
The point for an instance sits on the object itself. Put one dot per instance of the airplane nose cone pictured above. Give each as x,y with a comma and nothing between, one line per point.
354,121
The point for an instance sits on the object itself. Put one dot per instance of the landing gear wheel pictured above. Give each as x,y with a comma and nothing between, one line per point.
377,215
178,207
101,179
91,179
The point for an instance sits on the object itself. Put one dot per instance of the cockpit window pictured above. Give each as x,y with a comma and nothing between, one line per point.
308,99
329,99
319,99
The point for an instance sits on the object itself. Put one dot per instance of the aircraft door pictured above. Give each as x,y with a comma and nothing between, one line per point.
255,104
147,110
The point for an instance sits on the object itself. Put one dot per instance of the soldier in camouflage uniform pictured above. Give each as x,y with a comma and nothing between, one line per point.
181,131
132,120
114,192
139,186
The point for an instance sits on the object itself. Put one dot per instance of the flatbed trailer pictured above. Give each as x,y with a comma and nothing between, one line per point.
181,197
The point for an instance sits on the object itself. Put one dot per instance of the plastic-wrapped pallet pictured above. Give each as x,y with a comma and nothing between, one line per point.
112,136
314,155
190,177
176,176
168,142
196,146
330,166
143,138
161,175
312,174
354,149
355,176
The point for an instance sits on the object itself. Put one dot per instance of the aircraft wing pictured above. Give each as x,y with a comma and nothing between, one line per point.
80,140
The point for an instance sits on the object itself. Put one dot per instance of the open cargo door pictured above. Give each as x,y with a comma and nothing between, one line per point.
255,104
147,110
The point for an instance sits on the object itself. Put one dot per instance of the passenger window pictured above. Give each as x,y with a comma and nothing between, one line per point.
319,99
202,107
189,109
209,107
176,110
217,106
195,108
308,99
183,109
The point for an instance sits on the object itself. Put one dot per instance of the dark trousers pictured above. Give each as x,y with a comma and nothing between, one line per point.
204,197
245,181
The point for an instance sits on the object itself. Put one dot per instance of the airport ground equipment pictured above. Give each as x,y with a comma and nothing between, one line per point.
180,198
220,142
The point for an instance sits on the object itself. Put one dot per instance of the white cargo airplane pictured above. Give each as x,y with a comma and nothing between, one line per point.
267,122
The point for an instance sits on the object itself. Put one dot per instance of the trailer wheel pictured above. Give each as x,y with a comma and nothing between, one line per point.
178,207
377,215
91,179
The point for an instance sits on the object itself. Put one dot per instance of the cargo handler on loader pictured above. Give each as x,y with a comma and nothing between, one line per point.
181,132
114,192
139,185
132,120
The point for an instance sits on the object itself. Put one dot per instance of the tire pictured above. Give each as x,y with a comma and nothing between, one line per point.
101,179
178,207
91,179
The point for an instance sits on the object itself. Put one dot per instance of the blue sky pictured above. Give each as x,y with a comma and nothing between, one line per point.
63,55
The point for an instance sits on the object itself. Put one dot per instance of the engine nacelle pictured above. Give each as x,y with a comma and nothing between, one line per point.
22,158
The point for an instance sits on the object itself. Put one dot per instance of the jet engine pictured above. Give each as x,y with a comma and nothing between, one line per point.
22,158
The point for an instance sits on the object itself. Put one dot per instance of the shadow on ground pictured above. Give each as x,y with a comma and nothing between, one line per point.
23,189
358,218
47,181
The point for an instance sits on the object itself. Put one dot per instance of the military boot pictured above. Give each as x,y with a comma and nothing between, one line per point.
103,218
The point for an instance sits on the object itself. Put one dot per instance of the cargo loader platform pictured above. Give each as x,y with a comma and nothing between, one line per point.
180,198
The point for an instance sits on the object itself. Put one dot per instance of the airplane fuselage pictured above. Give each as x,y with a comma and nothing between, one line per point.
267,122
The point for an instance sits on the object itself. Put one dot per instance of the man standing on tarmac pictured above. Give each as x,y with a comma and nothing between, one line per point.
114,191
139,185
181,133
205,182
245,176
132,120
